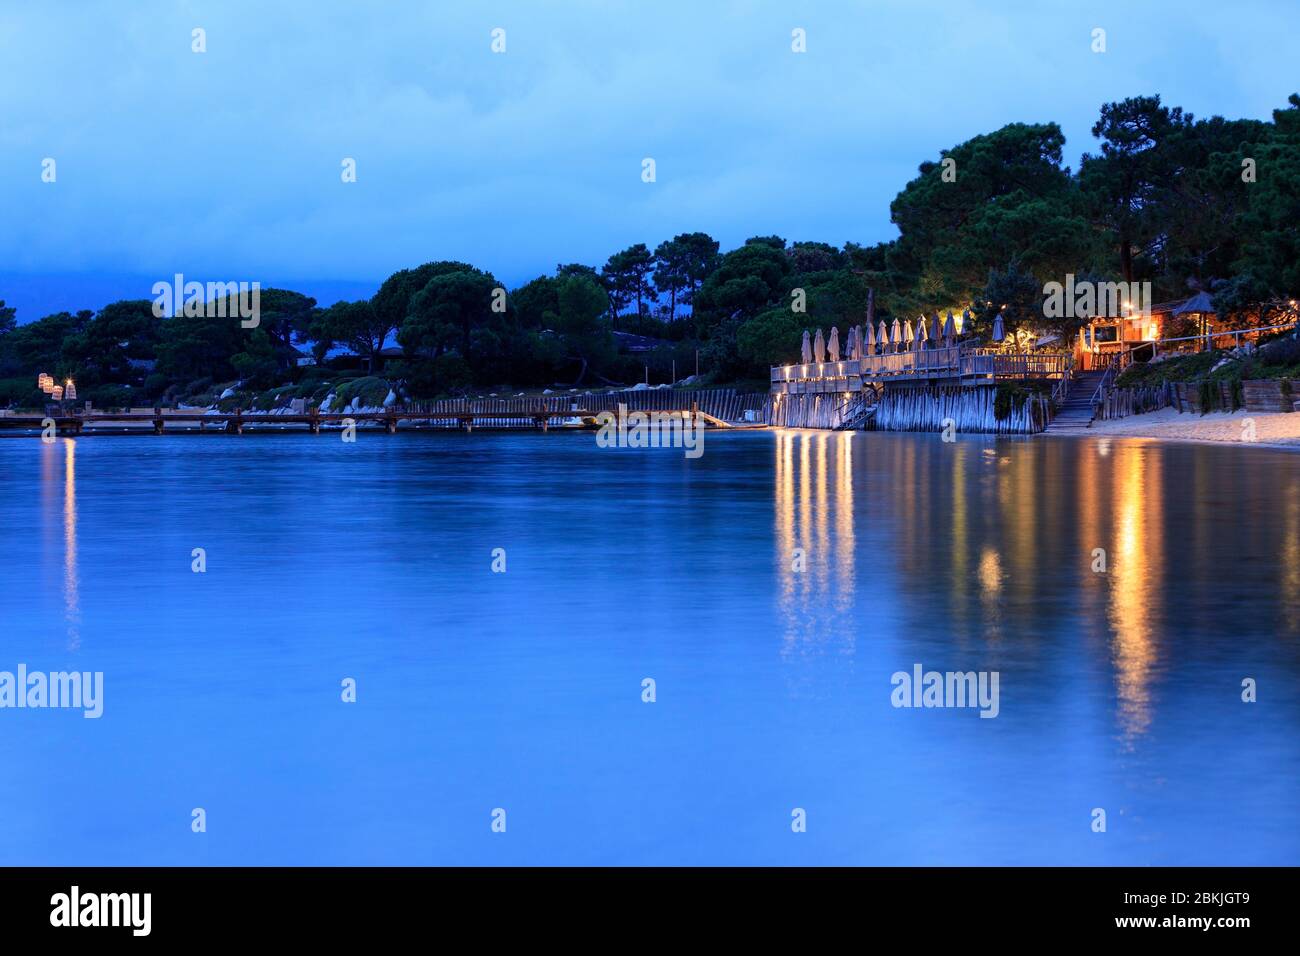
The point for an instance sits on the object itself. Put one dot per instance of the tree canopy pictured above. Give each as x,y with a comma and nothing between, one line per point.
1185,203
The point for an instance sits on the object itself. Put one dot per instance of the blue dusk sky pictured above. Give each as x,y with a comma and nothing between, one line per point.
225,165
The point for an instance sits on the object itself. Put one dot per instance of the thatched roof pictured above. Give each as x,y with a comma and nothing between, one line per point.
1201,302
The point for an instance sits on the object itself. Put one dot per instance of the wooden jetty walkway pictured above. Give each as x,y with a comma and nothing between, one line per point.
716,408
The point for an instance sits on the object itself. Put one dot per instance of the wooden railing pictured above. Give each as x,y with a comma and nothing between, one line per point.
1118,359
924,362
814,370
1016,364
1061,387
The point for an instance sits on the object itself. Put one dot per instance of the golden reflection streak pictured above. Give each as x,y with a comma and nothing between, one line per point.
822,563
71,585
785,515
816,602
956,583
1291,558
1088,530
805,504
1025,516
845,545
1137,552
990,578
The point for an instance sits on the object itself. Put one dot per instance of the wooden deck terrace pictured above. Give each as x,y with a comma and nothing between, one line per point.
942,365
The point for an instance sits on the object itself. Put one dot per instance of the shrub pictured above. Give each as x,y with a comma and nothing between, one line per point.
111,396
198,387
273,398
1284,351
21,393
1013,395
1183,368
370,391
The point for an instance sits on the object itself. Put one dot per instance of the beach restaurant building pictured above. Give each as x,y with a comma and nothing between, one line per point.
1182,325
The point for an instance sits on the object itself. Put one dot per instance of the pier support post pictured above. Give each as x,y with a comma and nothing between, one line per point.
390,425
314,424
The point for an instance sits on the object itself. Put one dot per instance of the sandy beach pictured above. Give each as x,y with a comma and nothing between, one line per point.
1270,428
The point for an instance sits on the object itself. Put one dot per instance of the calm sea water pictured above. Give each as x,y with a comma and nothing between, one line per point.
479,690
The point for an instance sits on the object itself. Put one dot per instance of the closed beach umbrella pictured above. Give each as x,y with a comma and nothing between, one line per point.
896,335
819,348
870,347
859,343
936,327
854,352
950,329
921,333
999,333
909,336
805,353
834,346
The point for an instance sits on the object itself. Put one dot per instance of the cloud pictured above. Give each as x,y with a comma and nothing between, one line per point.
227,163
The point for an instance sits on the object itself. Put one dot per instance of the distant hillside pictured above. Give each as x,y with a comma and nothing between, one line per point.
35,296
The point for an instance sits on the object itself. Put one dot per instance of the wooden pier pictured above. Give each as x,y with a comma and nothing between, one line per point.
164,420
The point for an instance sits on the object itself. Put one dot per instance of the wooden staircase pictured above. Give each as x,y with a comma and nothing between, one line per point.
855,413
1076,413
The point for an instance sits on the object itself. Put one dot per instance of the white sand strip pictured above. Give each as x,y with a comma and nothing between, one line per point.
1270,428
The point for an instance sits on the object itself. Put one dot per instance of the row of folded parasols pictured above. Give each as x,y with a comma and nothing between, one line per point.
901,337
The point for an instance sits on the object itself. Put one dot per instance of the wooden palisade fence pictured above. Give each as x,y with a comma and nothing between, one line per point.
1263,395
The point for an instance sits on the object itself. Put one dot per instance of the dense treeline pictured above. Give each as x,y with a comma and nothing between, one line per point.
1187,204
